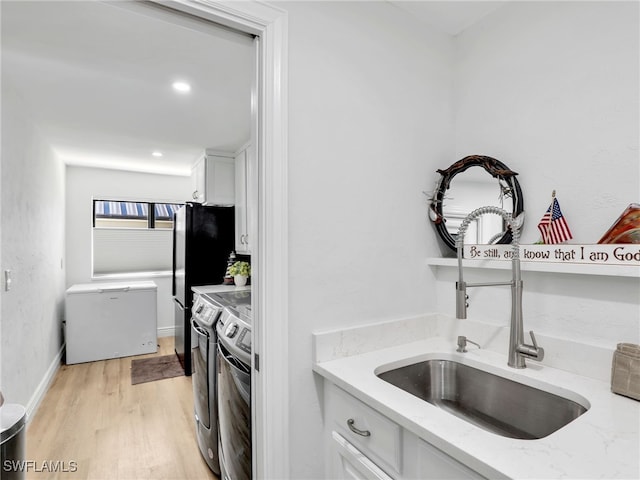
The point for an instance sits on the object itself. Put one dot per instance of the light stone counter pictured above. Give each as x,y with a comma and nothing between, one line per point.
604,442
203,289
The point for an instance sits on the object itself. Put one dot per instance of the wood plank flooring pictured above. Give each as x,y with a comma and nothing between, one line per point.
113,430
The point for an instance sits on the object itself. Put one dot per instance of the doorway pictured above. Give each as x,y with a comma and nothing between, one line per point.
270,257
270,405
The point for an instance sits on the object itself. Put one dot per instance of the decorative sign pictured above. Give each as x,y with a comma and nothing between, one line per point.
602,254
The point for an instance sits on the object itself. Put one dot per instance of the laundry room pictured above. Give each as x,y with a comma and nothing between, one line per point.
115,118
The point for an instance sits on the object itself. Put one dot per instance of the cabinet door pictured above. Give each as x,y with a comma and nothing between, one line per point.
198,181
219,180
212,178
242,233
351,464
435,464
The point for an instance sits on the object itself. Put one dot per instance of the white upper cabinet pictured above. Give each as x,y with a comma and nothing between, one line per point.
244,190
213,179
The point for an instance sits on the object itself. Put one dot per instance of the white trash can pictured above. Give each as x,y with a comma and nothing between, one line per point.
12,441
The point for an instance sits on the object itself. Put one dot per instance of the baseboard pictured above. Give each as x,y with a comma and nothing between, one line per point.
43,386
166,332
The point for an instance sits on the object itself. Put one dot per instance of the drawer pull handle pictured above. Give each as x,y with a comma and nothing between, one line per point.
364,433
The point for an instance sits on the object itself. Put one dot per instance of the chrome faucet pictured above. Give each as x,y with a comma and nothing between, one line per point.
518,350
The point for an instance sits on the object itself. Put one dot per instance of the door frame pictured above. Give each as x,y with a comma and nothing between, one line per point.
270,406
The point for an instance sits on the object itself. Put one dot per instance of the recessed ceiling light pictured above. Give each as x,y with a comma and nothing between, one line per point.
156,154
182,87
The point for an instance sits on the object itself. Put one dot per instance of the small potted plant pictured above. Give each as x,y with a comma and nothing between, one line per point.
240,271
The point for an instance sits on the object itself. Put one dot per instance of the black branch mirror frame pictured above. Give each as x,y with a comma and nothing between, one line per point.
509,185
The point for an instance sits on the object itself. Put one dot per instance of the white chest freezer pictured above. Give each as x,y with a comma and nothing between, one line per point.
110,320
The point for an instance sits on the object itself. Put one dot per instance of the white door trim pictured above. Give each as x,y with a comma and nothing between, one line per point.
270,405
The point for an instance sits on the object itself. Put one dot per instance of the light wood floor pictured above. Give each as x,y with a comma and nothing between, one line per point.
113,430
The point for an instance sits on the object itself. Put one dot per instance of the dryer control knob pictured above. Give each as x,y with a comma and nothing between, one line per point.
231,330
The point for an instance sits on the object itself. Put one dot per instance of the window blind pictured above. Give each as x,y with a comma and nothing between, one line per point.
118,250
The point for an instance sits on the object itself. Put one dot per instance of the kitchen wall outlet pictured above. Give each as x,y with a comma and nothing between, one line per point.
7,280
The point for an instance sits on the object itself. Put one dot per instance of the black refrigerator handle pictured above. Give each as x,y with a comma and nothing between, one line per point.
173,276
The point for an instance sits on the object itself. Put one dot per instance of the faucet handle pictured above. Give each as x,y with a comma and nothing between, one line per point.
461,300
533,352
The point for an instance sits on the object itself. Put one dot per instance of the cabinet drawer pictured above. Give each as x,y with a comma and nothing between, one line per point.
365,428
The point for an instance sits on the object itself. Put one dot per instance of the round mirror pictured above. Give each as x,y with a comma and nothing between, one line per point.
486,181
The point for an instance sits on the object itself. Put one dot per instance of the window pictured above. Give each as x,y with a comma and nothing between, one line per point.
163,215
117,214
132,237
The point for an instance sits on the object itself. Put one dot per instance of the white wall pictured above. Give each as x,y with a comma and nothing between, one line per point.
551,89
84,184
369,111
32,220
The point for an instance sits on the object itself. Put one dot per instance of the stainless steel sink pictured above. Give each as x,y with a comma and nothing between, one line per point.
494,403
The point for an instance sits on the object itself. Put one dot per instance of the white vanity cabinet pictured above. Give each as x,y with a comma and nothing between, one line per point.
213,179
244,167
424,461
351,464
361,443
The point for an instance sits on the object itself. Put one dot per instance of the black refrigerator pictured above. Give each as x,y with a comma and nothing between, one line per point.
203,238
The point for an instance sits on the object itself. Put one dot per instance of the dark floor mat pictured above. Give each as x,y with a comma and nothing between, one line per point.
155,368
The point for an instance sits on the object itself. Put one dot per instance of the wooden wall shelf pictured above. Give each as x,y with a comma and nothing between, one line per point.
542,267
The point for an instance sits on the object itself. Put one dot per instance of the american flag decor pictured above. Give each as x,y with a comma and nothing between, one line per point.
553,226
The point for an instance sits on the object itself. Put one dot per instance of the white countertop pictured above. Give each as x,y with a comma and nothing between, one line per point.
218,288
604,442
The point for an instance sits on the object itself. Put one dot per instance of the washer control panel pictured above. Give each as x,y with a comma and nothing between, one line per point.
231,330
205,312
235,334
244,341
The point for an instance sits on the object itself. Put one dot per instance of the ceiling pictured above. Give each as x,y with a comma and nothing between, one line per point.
96,78
448,16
